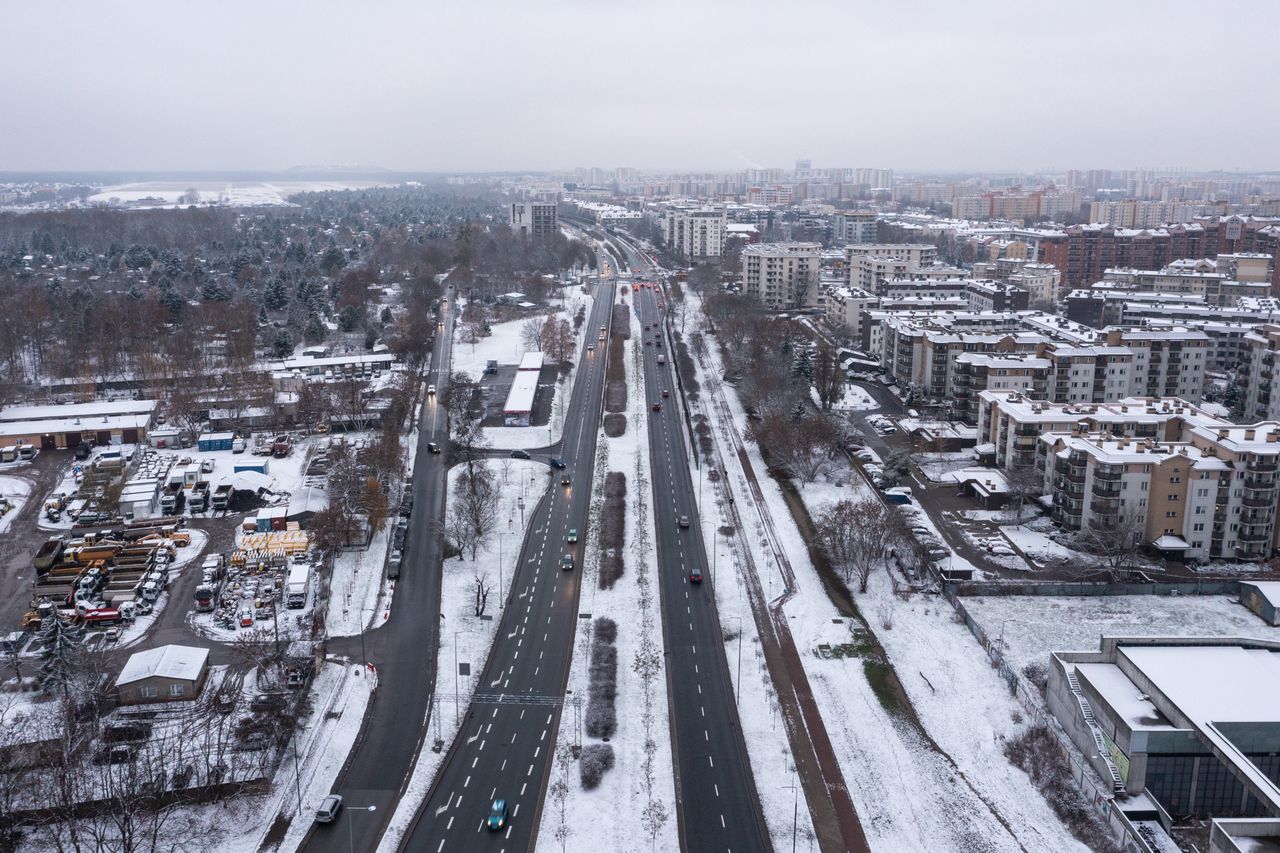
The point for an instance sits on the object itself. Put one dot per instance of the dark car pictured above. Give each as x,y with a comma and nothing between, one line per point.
557,462
657,407
497,818
695,575
433,447
519,454
666,393
564,481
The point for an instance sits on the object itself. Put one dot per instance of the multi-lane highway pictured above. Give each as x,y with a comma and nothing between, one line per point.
508,736
718,806
402,649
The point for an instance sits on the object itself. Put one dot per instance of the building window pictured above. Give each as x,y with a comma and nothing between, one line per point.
1173,513
147,692
176,689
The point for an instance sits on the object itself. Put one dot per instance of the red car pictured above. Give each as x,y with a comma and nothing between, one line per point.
666,393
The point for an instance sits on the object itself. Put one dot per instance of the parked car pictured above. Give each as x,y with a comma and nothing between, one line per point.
329,808
519,454
246,618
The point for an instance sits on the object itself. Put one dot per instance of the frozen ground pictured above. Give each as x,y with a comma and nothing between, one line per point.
1034,626
622,793
856,398
462,633
357,585
14,491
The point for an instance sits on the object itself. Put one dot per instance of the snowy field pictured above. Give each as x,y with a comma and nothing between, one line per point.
855,399
622,792
14,492
462,632
150,194
1034,626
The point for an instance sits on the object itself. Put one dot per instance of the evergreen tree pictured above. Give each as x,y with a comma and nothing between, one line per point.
60,640
282,346
316,330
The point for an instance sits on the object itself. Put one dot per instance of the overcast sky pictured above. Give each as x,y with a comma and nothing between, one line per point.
686,85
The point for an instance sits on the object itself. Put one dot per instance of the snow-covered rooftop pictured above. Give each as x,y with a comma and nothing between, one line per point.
166,661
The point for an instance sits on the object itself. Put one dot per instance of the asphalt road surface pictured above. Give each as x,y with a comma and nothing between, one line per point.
718,808
508,736
402,649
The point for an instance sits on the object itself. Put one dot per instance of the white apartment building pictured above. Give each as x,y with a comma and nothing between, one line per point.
782,275
846,309
1262,391
1010,424
914,256
1131,213
533,218
696,234
855,226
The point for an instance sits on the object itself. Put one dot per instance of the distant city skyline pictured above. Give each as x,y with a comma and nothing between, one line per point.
676,87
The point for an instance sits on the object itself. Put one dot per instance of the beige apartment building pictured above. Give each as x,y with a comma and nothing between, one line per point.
782,276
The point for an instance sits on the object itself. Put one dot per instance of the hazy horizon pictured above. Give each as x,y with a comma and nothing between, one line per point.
496,87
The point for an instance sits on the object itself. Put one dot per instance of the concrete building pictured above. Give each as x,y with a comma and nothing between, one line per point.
846,309
911,255
63,427
987,295
1193,722
696,234
1133,213
1010,424
1262,387
533,218
163,674
1211,495
855,226
782,275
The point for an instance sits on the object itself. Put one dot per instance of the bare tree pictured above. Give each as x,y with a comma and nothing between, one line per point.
531,334
828,378
1116,541
852,535
457,529
481,587
478,496
1024,482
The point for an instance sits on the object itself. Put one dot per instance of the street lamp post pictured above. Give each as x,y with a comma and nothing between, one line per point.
795,808
457,713
738,684
351,833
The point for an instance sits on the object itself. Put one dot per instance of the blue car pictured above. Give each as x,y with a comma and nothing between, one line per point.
497,816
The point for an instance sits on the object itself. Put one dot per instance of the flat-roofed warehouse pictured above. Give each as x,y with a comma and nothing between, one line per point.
524,387
64,427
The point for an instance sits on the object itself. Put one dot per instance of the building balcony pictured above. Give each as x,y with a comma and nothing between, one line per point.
1108,506
1032,430
1025,442
1254,535
1268,466
1253,551
1104,489
1261,484
1074,474
1257,516
1107,474
1258,501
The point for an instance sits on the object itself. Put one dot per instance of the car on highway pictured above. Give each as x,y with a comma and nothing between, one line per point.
572,535
566,562
591,347
695,575
565,481
431,390
329,808
497,818
433,447
657,407
648,342
666,393
557,462
519,454
684,521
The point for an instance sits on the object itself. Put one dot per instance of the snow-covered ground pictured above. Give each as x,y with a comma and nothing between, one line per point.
464,634
340,693
1034,626
149,194
504,346
856,398
633,604
14,493
357,586
909,794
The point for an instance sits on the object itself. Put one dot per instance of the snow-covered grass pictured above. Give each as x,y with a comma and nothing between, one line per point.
153,194
356,587
340,693
14,492
633,604
856,398
909,794
504,346
464,634
1034,626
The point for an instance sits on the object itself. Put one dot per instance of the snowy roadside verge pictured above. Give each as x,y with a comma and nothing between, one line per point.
642,761
462,633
